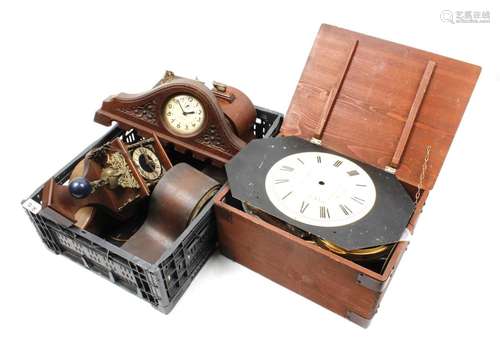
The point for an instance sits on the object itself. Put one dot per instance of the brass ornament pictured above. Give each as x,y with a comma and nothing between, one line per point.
118,171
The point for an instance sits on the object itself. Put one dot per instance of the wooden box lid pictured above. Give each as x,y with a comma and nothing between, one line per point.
372,94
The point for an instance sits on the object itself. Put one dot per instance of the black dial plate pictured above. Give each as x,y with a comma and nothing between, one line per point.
383,224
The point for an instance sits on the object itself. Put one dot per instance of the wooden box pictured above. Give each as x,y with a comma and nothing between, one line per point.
384,104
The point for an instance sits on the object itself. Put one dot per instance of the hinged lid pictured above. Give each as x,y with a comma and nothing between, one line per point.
379,102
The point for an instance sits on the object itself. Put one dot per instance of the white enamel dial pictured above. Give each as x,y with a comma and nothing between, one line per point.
184,115
320,189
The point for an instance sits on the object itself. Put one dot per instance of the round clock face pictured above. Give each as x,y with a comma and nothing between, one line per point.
320,189
147,163
184,115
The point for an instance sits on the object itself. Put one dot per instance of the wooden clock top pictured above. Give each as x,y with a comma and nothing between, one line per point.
186,113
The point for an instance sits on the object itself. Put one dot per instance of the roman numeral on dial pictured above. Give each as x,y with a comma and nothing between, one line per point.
347,211
279,181
358,200
319,189
303,207
324,212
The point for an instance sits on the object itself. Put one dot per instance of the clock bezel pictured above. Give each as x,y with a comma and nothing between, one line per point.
384,224
165,122
140,169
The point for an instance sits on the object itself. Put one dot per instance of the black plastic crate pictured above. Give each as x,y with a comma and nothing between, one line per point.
161,283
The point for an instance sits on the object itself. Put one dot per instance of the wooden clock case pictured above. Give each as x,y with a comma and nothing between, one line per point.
225,129
136,118
382,103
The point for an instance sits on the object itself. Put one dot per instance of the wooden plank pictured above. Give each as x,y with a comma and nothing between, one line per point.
334,92
162,154
412,115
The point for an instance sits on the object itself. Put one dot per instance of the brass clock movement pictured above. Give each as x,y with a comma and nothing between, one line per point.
211,123
345,206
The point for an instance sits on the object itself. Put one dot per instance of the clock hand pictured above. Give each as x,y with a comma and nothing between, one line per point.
180,106
150,162
188,112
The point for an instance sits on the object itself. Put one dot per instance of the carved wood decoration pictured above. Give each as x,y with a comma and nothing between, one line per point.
378,88
58,198
218,137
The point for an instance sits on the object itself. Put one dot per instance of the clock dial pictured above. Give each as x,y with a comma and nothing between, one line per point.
147,163
320,189
184,115
340,200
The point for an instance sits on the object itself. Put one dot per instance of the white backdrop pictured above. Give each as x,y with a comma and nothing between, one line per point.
59,60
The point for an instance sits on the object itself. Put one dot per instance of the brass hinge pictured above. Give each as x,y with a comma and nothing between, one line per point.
315,141
390,169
